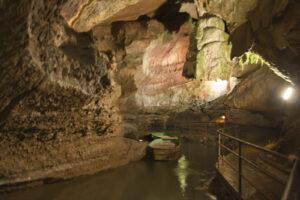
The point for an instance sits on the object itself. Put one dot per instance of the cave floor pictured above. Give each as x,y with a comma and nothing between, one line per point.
147,180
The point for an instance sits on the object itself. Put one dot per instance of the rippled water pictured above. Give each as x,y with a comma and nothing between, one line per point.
144,180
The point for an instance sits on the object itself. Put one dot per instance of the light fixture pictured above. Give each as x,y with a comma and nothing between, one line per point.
219,85
287,93
223,117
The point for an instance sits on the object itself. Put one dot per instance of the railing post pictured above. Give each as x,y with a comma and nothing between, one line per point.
292,184
240,169
219,149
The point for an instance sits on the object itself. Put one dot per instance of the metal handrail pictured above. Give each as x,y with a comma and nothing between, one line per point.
234,168
291,181
255,166
241,158
274,153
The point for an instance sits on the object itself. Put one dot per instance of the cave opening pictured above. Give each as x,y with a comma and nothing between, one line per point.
162,99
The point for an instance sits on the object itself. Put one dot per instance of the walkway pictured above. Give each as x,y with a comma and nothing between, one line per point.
263,176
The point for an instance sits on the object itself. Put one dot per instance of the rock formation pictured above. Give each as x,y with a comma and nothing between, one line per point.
78,75
58,111
83,15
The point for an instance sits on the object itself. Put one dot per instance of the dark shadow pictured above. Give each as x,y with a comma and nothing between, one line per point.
169,15
81,49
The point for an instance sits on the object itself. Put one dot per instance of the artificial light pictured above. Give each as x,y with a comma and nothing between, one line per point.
287,93
219,85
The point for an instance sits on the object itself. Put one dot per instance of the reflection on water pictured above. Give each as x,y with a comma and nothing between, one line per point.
143,180
182,172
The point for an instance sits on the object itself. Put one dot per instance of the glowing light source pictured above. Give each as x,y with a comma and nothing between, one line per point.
223,117
219,85
287,93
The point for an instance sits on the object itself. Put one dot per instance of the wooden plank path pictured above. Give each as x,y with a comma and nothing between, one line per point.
255,184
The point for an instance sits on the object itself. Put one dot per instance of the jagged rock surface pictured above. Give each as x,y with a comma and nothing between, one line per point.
58,112
83,15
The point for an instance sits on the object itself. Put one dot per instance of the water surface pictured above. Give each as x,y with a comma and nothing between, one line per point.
143,180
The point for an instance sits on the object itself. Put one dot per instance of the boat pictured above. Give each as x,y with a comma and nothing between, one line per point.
165,146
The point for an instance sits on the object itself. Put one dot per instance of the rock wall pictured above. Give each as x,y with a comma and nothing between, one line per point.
21,70
271,29
58,105
83,15
160,82
204,74
260,88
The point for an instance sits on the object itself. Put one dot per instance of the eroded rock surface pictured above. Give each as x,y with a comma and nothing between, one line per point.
83,15
58,106
260,91
213,57
234,12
